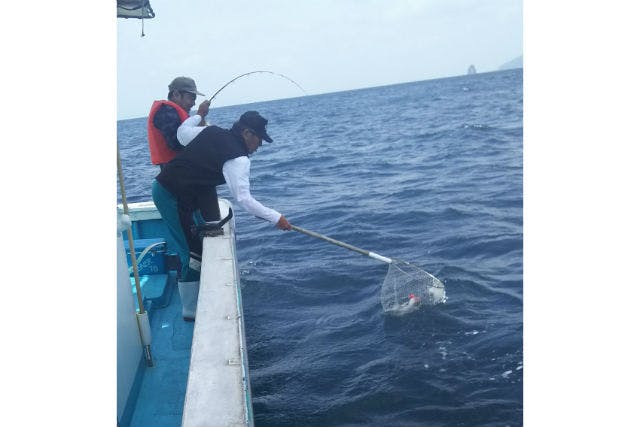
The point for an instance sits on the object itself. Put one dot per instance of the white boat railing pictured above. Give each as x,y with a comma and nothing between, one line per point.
218,390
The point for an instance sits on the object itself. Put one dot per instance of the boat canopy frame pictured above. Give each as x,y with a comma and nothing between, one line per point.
137,9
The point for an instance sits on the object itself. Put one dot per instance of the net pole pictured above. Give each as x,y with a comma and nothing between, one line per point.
342,244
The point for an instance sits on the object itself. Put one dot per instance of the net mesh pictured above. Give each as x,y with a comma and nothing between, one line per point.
406,287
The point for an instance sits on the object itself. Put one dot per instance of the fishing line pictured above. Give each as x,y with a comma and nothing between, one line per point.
255,72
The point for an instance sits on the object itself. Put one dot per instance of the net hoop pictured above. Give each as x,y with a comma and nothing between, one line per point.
407,287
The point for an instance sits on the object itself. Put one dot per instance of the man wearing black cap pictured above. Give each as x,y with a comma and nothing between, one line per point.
166,116
212,157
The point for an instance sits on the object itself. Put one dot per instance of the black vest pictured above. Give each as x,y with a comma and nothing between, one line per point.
198,167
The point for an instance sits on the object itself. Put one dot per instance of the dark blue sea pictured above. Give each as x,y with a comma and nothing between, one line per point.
428,172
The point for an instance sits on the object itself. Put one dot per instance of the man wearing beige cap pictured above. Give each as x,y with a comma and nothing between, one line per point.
166,116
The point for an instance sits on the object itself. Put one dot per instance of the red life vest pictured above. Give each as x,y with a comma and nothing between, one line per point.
160,151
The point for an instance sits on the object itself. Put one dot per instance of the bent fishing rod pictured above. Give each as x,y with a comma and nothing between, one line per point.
256,72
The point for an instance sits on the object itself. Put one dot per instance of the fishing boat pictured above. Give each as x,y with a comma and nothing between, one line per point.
171,371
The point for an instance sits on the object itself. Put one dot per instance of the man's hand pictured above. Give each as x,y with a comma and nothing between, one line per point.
283,224
203,109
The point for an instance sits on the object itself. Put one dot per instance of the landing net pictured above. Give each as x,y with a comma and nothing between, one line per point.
406,287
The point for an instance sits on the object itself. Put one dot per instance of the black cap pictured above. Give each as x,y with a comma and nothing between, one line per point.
256,123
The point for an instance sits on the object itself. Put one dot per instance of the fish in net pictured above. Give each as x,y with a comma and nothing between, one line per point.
406,287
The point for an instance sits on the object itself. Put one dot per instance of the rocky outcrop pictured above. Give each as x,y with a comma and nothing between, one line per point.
514,63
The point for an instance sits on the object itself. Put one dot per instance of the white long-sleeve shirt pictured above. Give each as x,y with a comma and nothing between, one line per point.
189,129
236,172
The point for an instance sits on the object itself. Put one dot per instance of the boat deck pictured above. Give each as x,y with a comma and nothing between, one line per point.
162,387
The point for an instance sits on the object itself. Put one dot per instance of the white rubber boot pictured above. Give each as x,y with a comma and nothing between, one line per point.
189,297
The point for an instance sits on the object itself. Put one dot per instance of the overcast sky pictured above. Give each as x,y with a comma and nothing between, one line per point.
324,45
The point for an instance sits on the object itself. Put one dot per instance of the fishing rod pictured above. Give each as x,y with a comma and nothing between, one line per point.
255,72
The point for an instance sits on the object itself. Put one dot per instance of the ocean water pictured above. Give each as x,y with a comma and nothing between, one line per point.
429,172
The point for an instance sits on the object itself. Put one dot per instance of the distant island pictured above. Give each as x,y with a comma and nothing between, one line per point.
514,63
